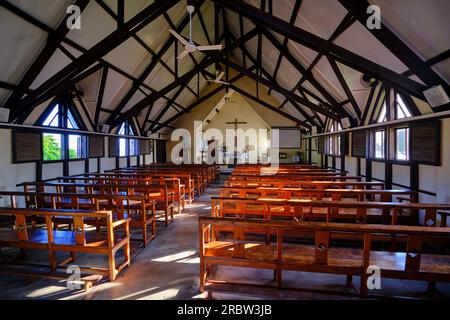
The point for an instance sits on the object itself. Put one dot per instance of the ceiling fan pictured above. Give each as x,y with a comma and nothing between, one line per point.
218,79
189,46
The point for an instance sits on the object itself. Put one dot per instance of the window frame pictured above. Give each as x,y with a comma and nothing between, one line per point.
63,118
407,144
128,131
384,145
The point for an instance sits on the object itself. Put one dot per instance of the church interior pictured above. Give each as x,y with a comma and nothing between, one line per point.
224,149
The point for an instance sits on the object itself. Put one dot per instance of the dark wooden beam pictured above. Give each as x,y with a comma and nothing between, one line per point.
294,15
120,13
54,39
85,109
241,31
264,103
323,110
63,86
403,52
316,43
344,86
346,22
298,66
189,108
164,110
270,78
432,61
214,57
154,62
116,38
367,106
101,92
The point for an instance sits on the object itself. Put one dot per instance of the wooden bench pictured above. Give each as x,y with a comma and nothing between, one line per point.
173,184
274,182
164,199
193,181
139,209
239,248
294,177
187,182
317,194
322,210
78,240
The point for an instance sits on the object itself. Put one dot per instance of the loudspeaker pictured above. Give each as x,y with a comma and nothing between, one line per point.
345,123
314,130
105,128
436,96
4,115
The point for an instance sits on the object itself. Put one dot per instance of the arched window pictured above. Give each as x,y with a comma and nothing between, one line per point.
58,146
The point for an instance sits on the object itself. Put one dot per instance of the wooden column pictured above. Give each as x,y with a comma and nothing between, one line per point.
388,175
368,170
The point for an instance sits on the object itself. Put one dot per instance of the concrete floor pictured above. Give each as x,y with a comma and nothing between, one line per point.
169,269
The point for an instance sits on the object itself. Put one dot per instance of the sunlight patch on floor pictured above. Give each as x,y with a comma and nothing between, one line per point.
176,256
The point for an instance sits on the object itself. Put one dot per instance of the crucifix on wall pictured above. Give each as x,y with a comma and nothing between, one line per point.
236,123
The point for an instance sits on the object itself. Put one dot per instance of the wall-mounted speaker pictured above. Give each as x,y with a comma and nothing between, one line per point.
436,96
314,130
105,128
4,115
345,123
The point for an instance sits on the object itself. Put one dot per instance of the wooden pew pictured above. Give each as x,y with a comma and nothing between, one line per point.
186,182
294,177
329,211
318,194
79,240
164,199
268,182
282,252
139,209
194,181
173,184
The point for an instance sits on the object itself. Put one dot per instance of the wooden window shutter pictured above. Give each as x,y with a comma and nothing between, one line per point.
27,146
359,144
425,144
113,147
321,145
96,147
144,147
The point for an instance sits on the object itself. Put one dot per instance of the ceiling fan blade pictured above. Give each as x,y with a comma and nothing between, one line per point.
206,48
179,37
220,76
222,82
183,54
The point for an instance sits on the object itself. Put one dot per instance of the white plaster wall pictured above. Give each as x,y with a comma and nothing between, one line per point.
378,170
400,175
363,166
76,167
93,165
350,165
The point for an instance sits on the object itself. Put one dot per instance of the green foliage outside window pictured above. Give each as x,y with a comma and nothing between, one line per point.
73,154
51,148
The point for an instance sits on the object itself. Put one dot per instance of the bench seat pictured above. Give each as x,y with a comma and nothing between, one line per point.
61,237
339,257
